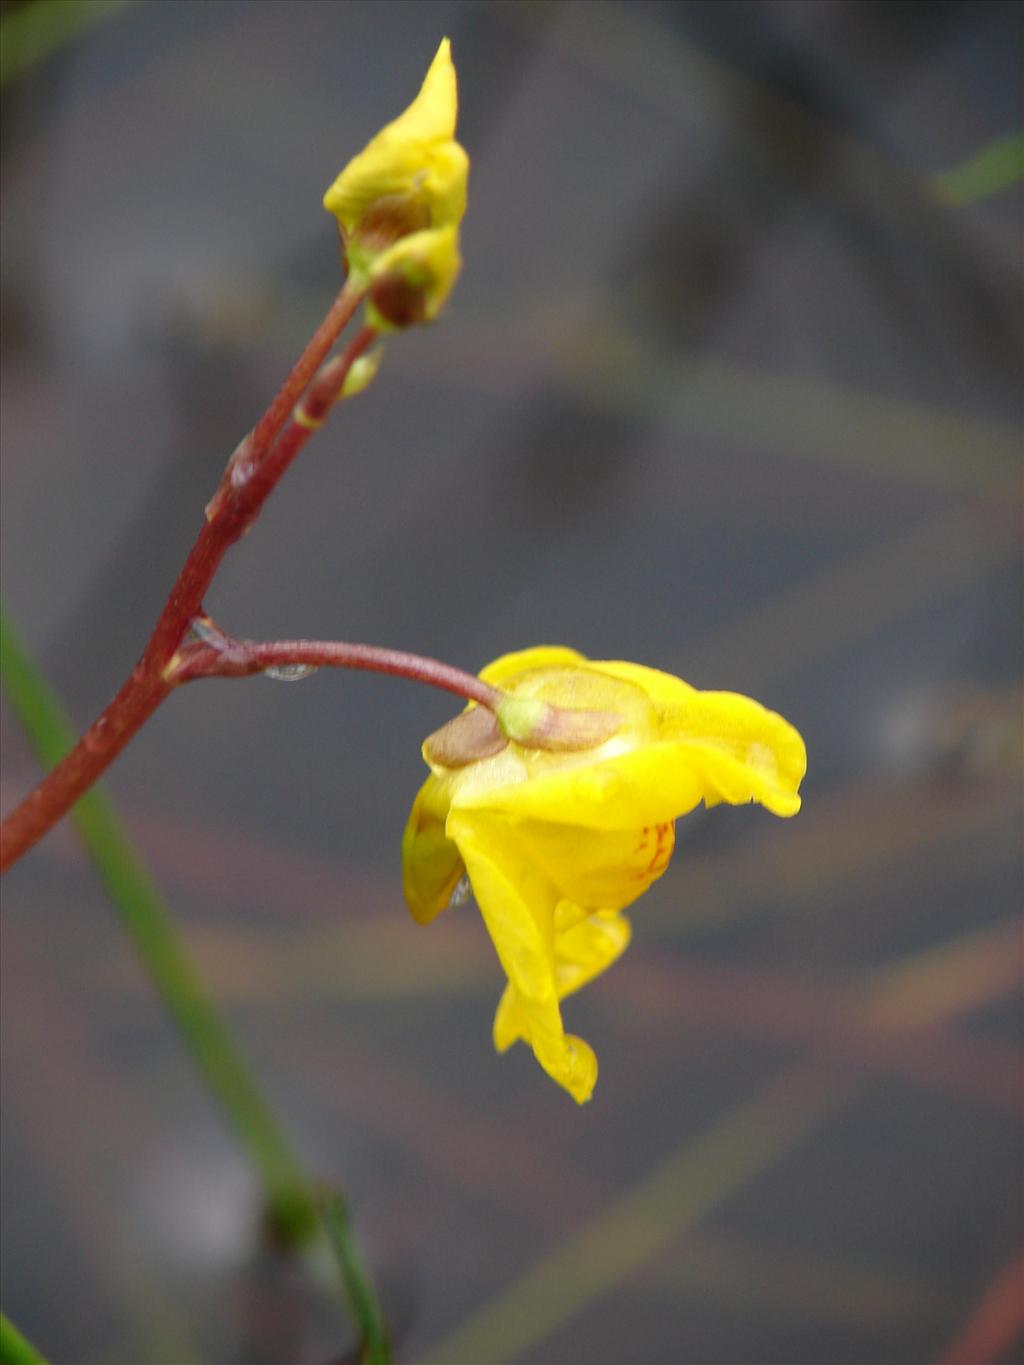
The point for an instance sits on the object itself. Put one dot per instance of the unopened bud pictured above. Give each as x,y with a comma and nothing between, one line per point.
410,282
395,303
362,373
413,164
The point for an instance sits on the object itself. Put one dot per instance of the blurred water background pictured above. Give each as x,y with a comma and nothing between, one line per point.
731,385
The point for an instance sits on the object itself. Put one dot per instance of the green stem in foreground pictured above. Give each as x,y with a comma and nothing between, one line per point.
14,1349
359,1291
291,1209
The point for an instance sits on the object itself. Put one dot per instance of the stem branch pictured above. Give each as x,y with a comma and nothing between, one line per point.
218,655
250,477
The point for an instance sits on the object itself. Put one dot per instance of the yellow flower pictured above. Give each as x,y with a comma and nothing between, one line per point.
410,178
556,844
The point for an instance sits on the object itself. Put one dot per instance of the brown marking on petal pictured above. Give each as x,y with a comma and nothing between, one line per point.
470,736
644,864
662,850
390,217
635,869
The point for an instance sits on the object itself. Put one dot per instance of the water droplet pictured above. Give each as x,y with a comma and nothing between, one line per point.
288,672
461,894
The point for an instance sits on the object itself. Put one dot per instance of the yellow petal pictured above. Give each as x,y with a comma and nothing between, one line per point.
567,1059
588,948
664,689
599,869
517,903
742,751
509,666
431,116
717,746
567,915
581,953
445,184
415,152
431,865
508,1026
516,900
603,790
584,947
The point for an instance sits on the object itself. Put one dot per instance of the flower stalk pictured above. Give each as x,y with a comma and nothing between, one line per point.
218,655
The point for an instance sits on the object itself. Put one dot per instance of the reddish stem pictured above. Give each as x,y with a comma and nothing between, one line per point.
138,698
261,478
335,320
250,477
221,656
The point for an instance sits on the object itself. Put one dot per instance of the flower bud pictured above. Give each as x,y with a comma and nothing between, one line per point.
410,282
409,179
362,372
